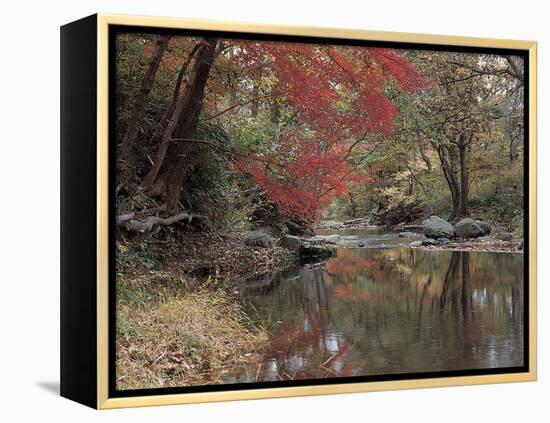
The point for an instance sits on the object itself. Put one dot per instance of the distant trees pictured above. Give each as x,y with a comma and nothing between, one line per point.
461,109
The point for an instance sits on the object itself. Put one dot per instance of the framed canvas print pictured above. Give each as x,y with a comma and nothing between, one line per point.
253,211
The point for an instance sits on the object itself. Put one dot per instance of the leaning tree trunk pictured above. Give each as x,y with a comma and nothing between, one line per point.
464,188
128,140
176,95
424,156
173,113
181,156
455,196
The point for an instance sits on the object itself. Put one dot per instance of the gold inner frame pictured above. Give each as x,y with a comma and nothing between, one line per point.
103,22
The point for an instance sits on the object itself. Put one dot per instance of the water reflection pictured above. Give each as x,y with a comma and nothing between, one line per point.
387,311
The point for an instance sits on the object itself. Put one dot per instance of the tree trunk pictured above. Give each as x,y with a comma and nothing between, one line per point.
424,156
275,112
181,157
462,153
128,140
513,146
174,113
176,95
450,177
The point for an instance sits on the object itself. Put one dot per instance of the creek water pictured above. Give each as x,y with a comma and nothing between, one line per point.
384,309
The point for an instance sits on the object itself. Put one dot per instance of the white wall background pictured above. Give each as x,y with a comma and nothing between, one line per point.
29,178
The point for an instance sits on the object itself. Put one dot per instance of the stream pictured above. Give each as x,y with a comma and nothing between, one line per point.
384,309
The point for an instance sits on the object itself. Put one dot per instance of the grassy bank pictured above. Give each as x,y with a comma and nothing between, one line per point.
178,321
171,335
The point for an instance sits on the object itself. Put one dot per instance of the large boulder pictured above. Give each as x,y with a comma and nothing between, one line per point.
298,229
468,228
259,239
435,227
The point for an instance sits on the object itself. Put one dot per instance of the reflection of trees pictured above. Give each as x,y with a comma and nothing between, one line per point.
465,290
455,294
454,304
390,311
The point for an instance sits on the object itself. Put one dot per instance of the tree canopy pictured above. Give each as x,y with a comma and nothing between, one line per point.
313,129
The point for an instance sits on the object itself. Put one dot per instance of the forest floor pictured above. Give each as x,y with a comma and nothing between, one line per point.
178,320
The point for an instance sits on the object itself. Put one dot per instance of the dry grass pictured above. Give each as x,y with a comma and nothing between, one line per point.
167,336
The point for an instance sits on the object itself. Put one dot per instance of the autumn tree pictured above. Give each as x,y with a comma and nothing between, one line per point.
330,100
287,132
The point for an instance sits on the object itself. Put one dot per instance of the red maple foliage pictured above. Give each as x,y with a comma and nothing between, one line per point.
338,94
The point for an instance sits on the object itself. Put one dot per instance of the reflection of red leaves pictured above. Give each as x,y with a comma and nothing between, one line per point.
345,267
343,292
345,263
353,293
310,343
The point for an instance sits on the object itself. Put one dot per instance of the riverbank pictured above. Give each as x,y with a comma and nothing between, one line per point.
179,321
490,246
202,256
171,336
412,236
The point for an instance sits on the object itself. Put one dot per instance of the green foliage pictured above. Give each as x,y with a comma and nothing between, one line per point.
131,64
499,199
214,188
253,133
137,253
211,181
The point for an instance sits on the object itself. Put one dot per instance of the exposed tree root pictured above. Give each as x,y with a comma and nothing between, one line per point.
131,224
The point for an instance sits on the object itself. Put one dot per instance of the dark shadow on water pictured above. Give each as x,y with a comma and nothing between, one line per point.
50,387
